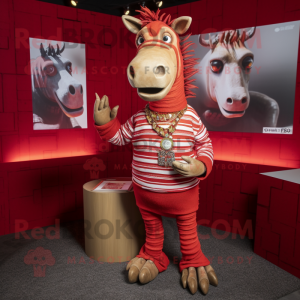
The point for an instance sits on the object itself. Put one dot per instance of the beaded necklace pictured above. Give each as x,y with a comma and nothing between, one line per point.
165,156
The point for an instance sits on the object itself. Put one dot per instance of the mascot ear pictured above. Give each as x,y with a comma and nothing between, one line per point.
181,24
132,24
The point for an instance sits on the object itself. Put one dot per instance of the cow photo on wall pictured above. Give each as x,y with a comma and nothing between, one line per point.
58,80
247,78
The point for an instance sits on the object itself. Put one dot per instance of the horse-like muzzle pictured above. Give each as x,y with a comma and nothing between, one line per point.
153,70
70,112
69,97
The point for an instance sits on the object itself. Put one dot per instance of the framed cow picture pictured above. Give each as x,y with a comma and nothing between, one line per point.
247,78
58,82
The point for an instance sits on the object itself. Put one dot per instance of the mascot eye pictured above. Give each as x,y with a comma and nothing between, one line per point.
167,39
50,70
140,40
247,63
69,68
216,66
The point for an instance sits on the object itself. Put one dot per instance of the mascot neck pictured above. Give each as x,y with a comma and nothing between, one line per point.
175,100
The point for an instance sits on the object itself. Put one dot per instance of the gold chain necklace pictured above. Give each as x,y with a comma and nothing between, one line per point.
165,156
156,116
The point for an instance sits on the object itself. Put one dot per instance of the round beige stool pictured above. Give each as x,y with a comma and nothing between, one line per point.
114,228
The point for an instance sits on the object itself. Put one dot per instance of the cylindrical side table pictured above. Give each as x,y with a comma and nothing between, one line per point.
114,228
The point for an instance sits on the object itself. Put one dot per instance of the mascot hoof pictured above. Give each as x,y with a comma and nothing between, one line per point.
134,267
148,272
204,276
133,274
212,277
204,285
184,276
192,280
203,280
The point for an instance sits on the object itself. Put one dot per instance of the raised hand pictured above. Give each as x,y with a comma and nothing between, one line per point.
193,168
102,112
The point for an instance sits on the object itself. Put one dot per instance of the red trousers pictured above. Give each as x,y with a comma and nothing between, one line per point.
192,255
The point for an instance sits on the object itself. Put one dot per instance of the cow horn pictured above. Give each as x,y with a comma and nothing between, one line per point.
250,33
62,49
202,41
48,50
42,50
51,50
208,43
57,50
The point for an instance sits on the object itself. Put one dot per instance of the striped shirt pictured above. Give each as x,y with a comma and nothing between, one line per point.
190,139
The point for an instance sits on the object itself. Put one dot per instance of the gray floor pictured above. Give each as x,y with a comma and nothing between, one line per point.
292,296
256,280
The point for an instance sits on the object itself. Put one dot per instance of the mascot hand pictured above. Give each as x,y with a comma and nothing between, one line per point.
102,112
193,168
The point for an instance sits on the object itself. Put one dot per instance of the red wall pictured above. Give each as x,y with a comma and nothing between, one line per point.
228,197
45,160
277,232
35,193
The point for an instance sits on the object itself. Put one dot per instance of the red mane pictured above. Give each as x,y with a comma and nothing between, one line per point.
148,16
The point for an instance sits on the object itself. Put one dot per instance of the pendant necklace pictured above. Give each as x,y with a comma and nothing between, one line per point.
165,156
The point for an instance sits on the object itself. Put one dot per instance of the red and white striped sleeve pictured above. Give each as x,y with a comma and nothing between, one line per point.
116,133
203,148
